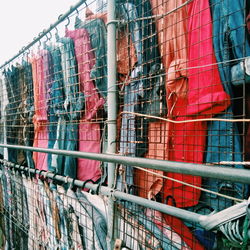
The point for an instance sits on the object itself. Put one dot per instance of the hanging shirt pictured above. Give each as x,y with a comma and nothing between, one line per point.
89,128
28,112
126,52
14,83
98,38
40,118
67,128
224,143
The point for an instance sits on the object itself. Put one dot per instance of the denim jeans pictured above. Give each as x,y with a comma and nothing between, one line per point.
241,72
224,143
55,107
70,111
128,133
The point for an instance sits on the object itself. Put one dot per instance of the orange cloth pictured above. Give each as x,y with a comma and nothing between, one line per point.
172,40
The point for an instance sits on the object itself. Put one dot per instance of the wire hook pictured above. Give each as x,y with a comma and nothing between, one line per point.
68,22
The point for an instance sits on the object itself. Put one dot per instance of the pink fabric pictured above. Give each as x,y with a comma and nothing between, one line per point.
40,117
89,129
206,94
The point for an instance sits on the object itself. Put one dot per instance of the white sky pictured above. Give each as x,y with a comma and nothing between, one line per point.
22,20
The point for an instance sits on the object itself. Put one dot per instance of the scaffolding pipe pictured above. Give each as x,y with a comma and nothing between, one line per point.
112,112
222,173
115,194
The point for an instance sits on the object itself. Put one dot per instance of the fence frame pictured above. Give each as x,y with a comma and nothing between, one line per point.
229,174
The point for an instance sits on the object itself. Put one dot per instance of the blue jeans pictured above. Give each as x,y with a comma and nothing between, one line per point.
224,143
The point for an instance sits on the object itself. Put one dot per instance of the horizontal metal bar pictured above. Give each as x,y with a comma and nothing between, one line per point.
45,32
174,211
223,173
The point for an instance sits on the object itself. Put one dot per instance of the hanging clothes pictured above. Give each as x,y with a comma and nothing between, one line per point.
14,84
40,118
27,112
224,142
129,46
56,102
134,234
67,127
89,128
98,38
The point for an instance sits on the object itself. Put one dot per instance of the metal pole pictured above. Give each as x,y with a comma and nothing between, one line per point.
107,191
112,112
222,173
46,31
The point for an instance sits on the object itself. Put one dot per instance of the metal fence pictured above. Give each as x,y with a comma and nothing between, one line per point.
125,125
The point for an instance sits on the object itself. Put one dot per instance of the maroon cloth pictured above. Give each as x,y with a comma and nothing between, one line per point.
89,128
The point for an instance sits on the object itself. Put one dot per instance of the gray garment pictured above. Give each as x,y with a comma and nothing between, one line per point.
132,93
76,240
87,223
64,242
134,234
52,242
100,225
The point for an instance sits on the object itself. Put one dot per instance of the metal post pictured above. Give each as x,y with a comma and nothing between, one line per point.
112,111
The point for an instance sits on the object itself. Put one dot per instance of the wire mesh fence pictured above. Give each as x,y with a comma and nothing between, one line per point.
182,73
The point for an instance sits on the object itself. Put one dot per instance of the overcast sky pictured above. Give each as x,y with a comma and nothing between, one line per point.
22,20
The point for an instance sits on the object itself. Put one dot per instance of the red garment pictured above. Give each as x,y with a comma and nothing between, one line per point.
40,118
89,128
205,94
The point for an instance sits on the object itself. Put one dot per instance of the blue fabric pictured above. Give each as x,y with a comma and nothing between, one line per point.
50,67
241,73
230,42
128,12
28,112
69,112
98,39
138,215
206,238
55,105
150,51
128,134
12,114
